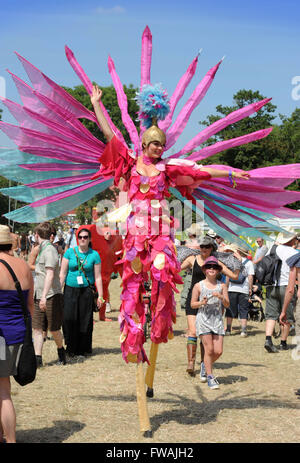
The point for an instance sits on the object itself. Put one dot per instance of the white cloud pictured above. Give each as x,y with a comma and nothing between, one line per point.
113,10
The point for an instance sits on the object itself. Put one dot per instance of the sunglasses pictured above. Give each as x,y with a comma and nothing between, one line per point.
212,266
83,237
205,246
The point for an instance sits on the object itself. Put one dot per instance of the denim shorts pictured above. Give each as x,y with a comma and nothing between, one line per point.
239,305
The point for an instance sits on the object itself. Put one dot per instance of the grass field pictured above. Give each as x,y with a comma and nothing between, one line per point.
93,400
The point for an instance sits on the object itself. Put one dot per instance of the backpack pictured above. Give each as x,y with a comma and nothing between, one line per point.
187,281
70,238
267,271
242,275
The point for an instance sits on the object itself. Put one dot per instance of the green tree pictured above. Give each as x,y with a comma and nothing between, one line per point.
289,136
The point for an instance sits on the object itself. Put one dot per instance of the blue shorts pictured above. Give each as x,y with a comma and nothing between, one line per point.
239,305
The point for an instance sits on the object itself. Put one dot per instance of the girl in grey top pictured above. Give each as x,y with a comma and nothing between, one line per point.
209,318
209,296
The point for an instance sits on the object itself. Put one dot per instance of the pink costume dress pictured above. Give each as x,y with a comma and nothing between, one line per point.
148,247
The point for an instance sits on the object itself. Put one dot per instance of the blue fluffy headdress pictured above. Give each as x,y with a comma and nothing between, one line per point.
154,104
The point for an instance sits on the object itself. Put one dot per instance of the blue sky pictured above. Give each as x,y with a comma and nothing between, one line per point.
261,42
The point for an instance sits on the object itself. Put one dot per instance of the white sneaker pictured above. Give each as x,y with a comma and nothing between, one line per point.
213,383
107,307
244,334
203,376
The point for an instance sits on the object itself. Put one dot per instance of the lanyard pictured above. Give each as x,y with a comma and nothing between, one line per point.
41,250
80,262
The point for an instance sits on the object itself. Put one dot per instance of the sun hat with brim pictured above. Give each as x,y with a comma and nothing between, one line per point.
211,233
211,261
207,240
284,238
194,230
229,247
234,247
5,235
243,250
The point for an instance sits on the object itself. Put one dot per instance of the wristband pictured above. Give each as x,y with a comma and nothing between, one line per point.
101,299
232,182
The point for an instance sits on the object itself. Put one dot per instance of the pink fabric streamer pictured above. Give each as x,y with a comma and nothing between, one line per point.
215,219
89,87
44,106
65,194
27,95
40,144
123,105
67,117
60,154
34,121
219,125
227,215
262,202
54,92
278,176
190,105
146,57
178,93
46,167
21,134
225,145
52,183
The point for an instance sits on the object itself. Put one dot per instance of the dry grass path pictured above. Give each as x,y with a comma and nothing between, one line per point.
94,400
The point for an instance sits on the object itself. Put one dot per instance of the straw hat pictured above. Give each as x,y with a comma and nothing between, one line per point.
5,235
229,247
234,247
243,251
194,229
283,238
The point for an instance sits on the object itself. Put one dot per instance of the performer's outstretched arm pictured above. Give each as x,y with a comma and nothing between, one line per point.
95,99
224,173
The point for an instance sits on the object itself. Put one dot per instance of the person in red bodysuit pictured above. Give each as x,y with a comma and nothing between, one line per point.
108,245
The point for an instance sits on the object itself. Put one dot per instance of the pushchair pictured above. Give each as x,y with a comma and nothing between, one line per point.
256,311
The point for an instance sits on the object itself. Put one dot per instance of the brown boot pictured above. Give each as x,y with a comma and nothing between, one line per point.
191,354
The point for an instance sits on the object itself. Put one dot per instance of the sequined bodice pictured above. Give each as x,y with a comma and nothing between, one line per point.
150,211
147,188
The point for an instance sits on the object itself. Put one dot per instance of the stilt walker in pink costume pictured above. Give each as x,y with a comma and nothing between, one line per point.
55,148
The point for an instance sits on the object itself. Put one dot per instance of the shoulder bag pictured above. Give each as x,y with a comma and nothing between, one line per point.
26,370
